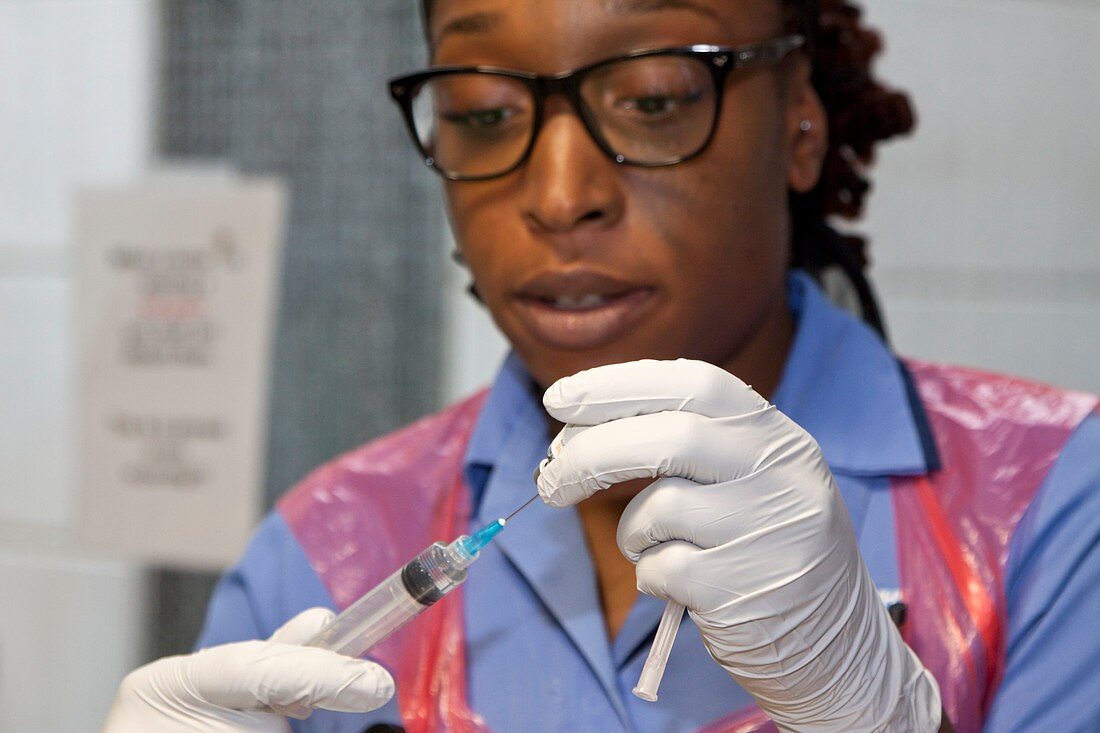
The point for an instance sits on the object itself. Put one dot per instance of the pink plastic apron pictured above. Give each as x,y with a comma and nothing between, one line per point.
997,439
344,516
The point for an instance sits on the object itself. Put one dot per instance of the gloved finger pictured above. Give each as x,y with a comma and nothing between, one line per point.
287,677
300,630
703,450
739,512
644,387
737,518
303,627
662,572
704,515
693,577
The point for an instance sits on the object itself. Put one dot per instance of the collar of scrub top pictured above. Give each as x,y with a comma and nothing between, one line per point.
848,390
841,383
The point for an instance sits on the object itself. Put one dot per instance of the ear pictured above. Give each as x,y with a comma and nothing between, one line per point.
807,128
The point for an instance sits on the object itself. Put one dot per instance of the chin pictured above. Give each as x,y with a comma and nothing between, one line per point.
547,368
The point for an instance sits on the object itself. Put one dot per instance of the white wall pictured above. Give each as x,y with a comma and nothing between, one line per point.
984,225
75,109
474,347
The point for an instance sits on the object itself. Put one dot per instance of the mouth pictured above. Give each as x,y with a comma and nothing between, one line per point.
579,303
580,309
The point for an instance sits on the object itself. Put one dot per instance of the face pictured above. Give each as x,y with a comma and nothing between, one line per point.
584,262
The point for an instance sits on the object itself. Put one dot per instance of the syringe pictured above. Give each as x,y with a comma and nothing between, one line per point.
407,593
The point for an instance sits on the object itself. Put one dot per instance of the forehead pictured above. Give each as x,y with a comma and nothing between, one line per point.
552,35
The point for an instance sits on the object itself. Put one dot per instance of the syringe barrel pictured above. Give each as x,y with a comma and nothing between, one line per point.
392,603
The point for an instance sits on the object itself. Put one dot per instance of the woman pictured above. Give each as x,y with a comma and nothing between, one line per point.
629,200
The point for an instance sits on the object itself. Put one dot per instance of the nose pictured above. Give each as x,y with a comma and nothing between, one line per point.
568,182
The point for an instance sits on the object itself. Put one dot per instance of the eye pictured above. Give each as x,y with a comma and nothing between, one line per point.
480,119
650,106
657,107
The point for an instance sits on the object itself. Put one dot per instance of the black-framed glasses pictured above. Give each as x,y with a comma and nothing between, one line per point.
647,108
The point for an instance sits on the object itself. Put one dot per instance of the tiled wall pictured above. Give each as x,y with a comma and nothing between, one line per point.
297,90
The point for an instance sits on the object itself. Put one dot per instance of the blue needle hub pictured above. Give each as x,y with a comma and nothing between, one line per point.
479,539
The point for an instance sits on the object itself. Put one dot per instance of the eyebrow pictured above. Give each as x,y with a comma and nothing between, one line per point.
630,7
472,23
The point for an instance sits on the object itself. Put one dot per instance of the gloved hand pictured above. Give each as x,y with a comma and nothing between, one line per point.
228,688
747,529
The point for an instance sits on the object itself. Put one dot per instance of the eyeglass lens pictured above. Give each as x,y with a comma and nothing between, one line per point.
650,110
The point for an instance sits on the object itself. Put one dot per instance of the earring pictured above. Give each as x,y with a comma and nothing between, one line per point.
805,126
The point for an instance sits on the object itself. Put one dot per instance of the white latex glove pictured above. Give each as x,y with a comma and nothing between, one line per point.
225,688
748,530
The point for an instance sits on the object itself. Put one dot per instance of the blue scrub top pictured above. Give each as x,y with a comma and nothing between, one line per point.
538,654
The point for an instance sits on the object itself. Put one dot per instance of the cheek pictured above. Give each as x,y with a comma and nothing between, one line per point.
460,213
483,227
724,229
726,216
736,190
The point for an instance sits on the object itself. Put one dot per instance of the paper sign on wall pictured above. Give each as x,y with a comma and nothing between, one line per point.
177,301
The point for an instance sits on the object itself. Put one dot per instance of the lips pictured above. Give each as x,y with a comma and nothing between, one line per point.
580,309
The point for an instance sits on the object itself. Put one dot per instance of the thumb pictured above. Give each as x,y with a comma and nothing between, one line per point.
287,677
303,627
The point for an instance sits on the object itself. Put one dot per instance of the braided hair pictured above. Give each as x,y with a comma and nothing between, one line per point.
862,112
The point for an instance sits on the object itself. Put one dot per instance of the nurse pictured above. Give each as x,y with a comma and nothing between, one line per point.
629,182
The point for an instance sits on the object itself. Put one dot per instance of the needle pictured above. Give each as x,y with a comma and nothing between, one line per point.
524,506
479,539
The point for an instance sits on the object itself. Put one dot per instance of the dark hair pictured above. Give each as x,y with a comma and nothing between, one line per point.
862,112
